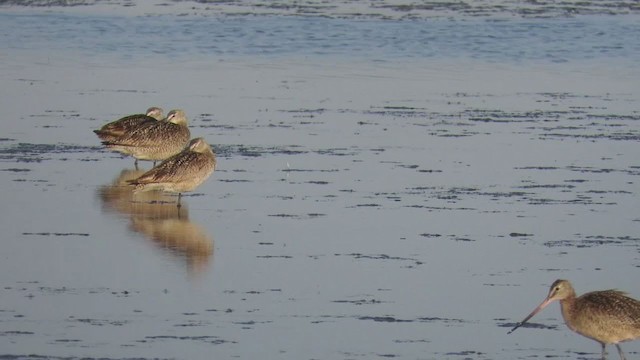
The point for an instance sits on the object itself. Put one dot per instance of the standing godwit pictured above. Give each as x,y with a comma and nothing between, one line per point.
115,129
180,173
156,140
608,317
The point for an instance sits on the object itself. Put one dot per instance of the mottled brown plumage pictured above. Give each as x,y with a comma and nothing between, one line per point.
608,317
180,173
116,129
157,140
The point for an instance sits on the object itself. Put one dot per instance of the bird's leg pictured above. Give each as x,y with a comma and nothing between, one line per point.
179,196
604,351
620,352
135,163
154,163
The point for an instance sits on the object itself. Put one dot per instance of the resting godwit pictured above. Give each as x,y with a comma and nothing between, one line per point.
180,173
115,129
608,317
157,140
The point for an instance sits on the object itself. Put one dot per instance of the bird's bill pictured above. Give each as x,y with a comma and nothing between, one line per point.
546,302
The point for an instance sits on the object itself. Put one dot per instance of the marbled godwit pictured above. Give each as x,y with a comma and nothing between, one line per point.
608,317
115,129
154,140
180,173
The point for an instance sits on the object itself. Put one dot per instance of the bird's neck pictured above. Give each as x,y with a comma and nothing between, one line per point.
568,310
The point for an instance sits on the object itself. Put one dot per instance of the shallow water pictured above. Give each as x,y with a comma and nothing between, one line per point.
177,38
373,199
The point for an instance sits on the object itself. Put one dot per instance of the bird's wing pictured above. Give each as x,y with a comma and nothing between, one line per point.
177,168
148,134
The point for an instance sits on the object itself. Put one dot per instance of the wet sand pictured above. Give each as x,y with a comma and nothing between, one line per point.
411,209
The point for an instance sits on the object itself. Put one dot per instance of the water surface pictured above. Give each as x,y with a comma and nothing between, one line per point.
386,188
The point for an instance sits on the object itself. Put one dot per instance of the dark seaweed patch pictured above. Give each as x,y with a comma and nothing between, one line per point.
594,240
530,325
411,341
359,256
586,169
391,319
537,168
399,112
296,216
275,256
430,235
305,111
413,166
310,170
546,186
450,237
337,152
628,136
55,234
429,171
15,332
50,357
193,323
25,152
16,170
443,320
366,205
388,319
465,353
437,208
359,302
235,180
284,215
257,151
204,338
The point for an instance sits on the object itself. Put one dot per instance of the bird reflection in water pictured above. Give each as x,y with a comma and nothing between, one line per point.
155,215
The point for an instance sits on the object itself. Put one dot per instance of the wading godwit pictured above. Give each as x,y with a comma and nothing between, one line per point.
115,129
608,317
154,140
180,173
